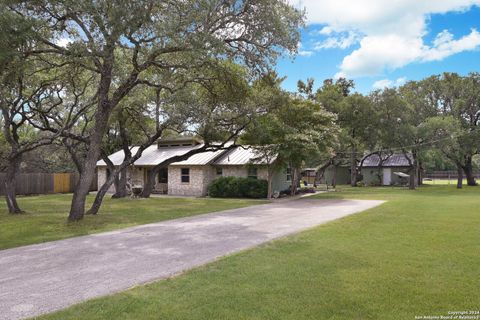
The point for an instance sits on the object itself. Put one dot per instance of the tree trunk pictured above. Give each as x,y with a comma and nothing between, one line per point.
295,180
11,183
419,174
111,179
468,169
100,195
411,184
150,183
121,177
459,177
334,177
413,178
121,184
77,209
353,168
269,180
413,171
380,174
97,203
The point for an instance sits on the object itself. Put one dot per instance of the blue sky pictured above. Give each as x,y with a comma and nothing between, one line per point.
382,43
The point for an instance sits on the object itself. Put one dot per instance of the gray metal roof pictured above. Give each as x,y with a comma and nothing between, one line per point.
150,156
240,156
199,159
395,160
154,155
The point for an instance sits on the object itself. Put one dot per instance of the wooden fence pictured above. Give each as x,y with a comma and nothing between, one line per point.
45,183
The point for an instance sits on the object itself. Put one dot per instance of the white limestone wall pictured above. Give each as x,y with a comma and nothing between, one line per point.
136,175
200,177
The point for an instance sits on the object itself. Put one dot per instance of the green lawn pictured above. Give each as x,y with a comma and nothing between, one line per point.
46,216
417,254
443,182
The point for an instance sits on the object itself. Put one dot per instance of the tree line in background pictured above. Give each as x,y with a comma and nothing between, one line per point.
81,80
434,123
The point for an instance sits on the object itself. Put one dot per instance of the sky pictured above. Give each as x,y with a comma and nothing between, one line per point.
384,43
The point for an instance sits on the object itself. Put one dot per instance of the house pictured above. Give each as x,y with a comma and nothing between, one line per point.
391,171
192,176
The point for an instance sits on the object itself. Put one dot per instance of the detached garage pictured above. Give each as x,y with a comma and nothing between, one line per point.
386,171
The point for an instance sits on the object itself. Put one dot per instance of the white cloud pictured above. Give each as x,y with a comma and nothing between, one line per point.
390,33
326,30
387,83
384,83
305,53
379,53
444,45
302,52
341,42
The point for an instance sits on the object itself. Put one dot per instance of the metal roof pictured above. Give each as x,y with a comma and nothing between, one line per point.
154,155
240,156
150,156
199,159
395,160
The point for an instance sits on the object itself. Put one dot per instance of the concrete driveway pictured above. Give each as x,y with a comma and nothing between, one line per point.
42,278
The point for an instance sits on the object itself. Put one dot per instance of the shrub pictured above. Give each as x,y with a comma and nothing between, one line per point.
235,187
374,183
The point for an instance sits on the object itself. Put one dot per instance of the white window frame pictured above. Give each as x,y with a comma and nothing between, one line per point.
288,173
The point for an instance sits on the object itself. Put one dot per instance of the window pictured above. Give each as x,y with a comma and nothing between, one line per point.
185,175
219,172
163,175
288,172
252,172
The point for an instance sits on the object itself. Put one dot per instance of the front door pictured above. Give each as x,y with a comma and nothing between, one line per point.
387,176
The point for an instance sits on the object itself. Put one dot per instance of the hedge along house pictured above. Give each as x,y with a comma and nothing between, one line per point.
390,171
192,177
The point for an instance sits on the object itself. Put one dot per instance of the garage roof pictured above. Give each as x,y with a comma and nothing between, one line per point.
395,160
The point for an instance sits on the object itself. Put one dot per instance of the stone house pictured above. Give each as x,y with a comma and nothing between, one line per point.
192,177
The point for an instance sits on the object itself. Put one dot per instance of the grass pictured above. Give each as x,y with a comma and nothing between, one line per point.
443,182
45,217
417,254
